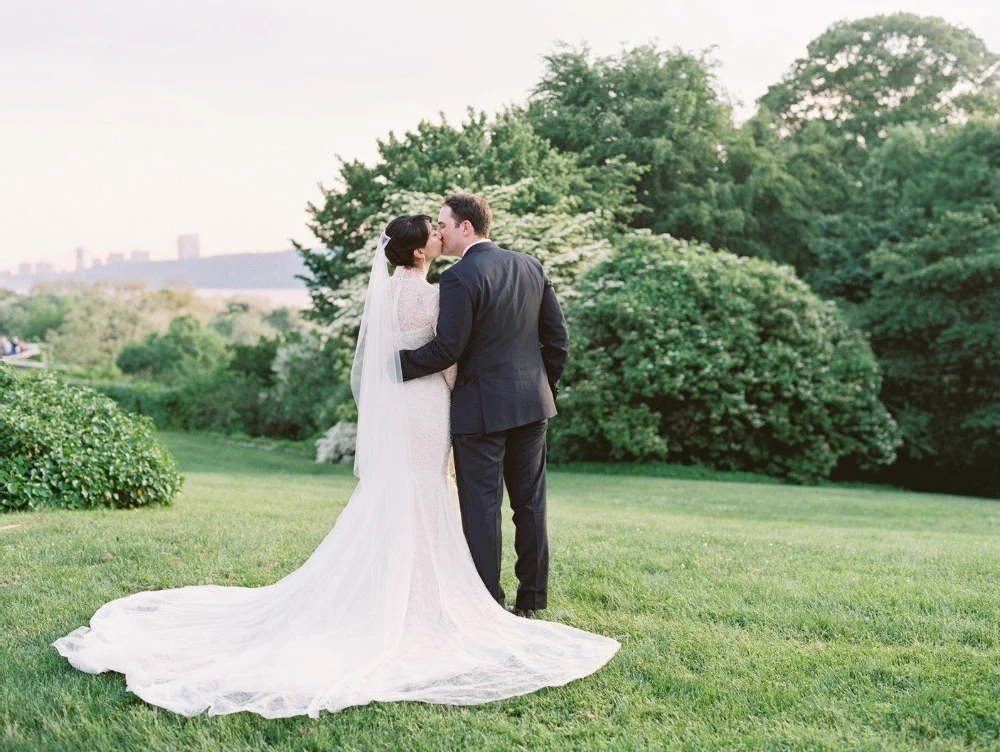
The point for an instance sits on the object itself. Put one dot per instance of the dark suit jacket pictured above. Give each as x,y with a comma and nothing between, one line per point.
501,322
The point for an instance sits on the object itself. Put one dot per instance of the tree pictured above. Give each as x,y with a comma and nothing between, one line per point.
100,321
246,324
686,354
438,159
567,243
774,195
934,309
312,382
187,349
698,176
33,316
861,77
873,211
659,111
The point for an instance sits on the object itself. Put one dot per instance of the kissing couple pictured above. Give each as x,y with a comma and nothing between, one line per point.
402,599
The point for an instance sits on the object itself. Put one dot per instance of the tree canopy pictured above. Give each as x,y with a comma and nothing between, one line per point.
437,159
658,110
861,77
934,310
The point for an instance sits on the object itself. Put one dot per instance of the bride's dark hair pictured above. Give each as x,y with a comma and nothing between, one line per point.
407,234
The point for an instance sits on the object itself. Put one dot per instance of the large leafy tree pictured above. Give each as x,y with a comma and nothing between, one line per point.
877,207
859,82
860,77
187,349
567,241
32,317
773,185
700,177
658,110
934,309
436,159
102,319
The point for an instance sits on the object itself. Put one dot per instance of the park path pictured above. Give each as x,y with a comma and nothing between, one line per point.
21,359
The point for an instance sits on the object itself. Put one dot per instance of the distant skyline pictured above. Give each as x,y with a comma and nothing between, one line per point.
225,272
130,122
83,261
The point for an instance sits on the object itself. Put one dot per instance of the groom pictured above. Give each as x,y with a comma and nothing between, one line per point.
501,322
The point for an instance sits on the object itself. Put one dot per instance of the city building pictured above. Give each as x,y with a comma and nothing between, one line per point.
188,247
43,268
79,259
116,258
24,270
139,257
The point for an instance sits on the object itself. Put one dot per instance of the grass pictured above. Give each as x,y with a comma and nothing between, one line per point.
751,616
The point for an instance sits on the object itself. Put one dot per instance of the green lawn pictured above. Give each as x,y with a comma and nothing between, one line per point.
751,616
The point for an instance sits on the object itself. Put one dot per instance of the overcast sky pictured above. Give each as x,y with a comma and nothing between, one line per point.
124,123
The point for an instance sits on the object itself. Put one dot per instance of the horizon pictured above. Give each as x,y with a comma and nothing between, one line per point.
223,119
105,261
126,269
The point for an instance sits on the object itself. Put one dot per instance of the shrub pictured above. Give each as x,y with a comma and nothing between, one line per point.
62,446
233,402
285,388
223,400
685,354
187,349
312,382
164,405
338,444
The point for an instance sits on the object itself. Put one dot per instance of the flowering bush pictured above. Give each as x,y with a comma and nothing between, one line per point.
338,444
686,354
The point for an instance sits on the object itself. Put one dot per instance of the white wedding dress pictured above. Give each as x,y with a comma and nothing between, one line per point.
389,607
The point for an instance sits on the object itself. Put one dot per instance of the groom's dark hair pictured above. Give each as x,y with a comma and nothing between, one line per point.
468,206
406,234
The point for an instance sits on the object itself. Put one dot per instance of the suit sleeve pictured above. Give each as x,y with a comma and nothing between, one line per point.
553,336
454,327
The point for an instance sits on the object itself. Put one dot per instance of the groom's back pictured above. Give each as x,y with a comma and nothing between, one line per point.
502,379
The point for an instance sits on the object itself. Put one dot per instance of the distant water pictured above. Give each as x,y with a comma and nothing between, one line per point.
278,297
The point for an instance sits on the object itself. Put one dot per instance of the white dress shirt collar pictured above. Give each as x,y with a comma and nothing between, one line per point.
474,242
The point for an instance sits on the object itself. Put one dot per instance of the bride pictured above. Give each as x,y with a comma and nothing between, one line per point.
390,605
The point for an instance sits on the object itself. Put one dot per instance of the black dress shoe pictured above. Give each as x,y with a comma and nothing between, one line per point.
527,613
